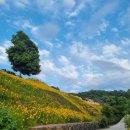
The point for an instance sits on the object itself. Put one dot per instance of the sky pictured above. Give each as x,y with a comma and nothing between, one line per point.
83,44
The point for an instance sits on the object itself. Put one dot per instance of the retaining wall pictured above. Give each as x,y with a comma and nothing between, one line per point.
68,126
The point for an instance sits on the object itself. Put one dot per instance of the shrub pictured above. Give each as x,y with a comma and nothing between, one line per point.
7,120
10,72
103,122
127,121
55,87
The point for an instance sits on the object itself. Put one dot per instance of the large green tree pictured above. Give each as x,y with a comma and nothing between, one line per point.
24,55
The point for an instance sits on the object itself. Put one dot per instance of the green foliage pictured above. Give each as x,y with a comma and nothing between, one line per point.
107,111
110,116
10,72
127,121
55,87
104,122
7,120
24,55
115,104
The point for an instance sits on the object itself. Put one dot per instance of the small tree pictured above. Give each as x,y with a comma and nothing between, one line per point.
24,55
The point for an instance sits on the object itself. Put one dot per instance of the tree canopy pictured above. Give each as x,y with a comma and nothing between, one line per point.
24,55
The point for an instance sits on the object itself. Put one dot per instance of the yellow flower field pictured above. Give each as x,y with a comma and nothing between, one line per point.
31,102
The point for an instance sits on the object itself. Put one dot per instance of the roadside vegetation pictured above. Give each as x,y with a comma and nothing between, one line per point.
127,121
115,104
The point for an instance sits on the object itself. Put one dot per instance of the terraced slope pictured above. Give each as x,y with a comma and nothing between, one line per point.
28,102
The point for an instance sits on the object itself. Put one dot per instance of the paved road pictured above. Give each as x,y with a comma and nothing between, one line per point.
118,126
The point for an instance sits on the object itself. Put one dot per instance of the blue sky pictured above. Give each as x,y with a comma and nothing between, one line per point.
83,44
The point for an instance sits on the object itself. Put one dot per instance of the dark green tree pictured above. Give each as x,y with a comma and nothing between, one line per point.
24,55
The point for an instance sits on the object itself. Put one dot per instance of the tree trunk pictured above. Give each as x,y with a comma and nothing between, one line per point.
20,75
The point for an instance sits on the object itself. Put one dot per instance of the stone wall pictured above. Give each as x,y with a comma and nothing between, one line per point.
68,126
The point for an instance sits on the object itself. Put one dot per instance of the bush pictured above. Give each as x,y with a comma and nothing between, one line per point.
7,121
104,122
55,87
9,72
127,121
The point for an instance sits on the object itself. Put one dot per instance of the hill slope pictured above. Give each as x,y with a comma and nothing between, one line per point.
28,102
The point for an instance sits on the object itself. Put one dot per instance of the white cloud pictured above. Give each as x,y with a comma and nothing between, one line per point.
46,32
104,25
124,63
108,75
3,55
43,33
81,5
2,2
68,72
78,9
125,41
55,7
125,19
69,23
25,24
90,80
48,67
44,53
79,50
86,68
114,29
46,5
21,3
110,50
48,44
69,3
116,80
63,60
98,69
92,26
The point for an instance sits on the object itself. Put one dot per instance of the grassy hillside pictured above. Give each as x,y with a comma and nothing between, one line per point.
28,102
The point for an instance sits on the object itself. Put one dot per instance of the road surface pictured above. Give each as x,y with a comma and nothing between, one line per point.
118,126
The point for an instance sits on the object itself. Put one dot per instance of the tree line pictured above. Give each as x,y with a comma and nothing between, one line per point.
116,104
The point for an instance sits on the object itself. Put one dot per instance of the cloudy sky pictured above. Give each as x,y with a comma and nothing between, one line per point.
83,44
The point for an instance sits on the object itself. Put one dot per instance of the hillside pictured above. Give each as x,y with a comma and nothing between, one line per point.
28,102
116,103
